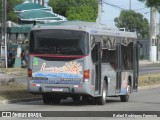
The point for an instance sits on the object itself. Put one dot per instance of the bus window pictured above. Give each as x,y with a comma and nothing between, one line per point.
62,42
127,56
109,56
94,53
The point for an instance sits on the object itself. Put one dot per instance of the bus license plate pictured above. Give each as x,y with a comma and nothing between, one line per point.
57,89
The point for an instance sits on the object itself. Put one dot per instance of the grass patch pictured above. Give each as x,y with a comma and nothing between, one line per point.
14,91
149,79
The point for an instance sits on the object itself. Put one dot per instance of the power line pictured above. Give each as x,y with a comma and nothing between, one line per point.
118,7
130,4
115,6
140,9
146,12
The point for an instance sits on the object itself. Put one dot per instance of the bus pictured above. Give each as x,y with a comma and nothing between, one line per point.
82,60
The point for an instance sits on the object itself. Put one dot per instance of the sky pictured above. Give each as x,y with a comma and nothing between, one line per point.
110,12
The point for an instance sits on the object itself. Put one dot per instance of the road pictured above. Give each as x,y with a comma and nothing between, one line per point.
143,100
149,69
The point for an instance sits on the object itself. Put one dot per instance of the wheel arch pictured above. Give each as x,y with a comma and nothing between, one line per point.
106,80
130,80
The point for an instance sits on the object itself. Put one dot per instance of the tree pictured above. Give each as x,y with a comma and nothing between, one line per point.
133,21
76,9
10,12
154,5
81,13
151,3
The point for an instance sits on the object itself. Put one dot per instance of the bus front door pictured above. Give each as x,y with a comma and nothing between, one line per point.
135,66
96,57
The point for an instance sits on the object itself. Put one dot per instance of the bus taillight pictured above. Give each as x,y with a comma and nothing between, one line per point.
29,73
86,75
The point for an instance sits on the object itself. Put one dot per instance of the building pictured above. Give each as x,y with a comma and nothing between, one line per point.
28,13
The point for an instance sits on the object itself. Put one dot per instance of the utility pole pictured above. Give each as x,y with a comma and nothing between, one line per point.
43,2
152,43
130,4
99,11
39,1
158,40
4,34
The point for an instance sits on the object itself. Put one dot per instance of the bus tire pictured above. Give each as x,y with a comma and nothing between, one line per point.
102,99
56,99
46,98
125,98
89,100
76,98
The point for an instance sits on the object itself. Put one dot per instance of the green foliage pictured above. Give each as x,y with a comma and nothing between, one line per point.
152,3
10,12
83,13
133,21
76,9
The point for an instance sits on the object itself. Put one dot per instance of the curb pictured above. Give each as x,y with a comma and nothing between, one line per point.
148,64
20,100
148,87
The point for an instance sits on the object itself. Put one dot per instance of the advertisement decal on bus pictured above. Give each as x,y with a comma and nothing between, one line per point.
69,70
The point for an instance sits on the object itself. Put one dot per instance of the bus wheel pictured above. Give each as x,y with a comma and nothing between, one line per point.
76,98
102,99
46,98
125,98
56,99
89,100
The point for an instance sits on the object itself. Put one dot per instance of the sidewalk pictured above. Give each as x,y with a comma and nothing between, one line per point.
147,62
13,86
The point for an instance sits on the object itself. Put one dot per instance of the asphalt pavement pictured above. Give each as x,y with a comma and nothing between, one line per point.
147,62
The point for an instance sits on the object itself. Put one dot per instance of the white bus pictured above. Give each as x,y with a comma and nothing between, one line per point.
82,60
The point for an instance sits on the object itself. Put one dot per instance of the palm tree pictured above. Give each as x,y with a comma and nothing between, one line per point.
154,6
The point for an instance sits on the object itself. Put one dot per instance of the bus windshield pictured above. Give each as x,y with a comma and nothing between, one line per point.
62,42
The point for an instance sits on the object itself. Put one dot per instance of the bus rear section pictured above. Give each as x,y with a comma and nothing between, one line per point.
56,65
88,62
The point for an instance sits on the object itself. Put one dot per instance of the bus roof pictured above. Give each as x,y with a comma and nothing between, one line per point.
90,27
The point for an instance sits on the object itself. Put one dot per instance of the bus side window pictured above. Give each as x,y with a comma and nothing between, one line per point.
94,53
127,57
109,56
113,58
104,56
